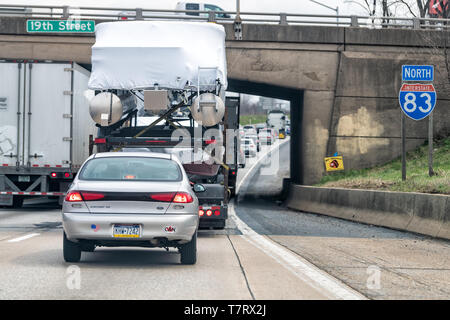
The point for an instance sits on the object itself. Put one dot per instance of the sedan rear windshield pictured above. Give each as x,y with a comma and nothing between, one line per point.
131,169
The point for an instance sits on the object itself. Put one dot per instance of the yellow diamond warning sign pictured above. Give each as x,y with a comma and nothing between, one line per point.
334,163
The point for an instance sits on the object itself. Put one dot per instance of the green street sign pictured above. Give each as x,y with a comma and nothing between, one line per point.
78,26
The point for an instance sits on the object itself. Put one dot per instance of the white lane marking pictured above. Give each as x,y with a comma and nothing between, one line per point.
300,267
259,160
28,236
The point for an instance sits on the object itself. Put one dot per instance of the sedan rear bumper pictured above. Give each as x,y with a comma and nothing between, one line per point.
87,226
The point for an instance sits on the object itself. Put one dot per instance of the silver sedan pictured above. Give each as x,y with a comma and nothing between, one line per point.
131,199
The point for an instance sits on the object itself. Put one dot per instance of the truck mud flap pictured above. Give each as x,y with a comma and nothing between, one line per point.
6,200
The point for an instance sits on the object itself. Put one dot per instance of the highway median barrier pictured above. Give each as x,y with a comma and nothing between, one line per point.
427,214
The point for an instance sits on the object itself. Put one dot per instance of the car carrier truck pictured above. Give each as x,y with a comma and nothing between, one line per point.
160,86
44,128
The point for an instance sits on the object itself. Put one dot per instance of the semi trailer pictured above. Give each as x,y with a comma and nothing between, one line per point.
44,128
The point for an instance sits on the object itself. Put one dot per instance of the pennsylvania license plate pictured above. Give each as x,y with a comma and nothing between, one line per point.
126,231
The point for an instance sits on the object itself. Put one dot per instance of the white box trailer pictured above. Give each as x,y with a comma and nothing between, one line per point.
44,128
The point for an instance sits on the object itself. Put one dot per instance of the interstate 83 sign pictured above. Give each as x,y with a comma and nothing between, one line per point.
417,100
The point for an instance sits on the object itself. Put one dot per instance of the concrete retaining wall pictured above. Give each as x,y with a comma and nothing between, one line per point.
415,212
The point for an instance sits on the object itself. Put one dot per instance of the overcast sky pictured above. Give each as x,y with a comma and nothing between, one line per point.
275,6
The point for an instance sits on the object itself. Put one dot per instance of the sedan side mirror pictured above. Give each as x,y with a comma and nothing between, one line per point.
199,188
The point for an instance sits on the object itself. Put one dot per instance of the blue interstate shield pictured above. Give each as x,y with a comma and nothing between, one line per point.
417,100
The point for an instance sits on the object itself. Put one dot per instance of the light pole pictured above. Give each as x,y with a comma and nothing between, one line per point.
238,22
238,11
328,7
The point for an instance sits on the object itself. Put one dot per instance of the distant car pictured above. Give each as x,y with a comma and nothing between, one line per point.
241,156
249,129
266,136
288,130
126,15
255,139
259,127
139,199
249,147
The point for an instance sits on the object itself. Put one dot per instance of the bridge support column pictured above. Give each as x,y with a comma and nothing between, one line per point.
297,156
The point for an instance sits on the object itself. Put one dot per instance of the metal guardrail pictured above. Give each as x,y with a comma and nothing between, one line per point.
66,12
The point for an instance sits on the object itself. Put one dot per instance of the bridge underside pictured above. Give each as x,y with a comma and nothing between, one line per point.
295,97
342,83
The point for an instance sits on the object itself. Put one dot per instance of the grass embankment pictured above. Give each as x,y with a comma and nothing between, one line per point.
252,119
388,176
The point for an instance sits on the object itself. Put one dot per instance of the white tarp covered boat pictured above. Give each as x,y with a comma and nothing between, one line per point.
168,54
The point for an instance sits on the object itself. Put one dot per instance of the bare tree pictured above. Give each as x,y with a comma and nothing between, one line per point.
389,8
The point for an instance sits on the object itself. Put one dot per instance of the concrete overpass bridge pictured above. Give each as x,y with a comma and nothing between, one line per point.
342,82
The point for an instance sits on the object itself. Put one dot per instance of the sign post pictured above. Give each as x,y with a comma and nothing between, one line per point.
403,148
417,102
430,146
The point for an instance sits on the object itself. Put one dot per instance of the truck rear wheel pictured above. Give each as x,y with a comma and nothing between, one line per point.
189,251
71,250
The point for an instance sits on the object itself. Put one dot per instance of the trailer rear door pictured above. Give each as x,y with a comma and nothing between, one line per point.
11,108
48,114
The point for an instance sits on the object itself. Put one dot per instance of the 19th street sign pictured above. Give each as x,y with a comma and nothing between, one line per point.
83,26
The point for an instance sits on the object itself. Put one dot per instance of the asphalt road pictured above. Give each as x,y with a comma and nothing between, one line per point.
265,252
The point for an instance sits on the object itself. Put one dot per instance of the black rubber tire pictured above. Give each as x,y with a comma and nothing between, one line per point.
71,250
17,202
87,247
189,251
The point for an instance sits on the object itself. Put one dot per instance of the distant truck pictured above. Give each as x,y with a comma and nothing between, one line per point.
200,6
182,6
276,119
44,128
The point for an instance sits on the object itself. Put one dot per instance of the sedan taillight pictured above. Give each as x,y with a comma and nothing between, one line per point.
76,196
182,197
92,196
179,197
73,196
163,197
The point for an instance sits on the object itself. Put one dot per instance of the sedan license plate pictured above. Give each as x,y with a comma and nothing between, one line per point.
126,231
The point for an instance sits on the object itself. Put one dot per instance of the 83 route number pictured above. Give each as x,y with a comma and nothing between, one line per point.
417,100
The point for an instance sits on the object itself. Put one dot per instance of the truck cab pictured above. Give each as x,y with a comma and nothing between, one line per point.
276,119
